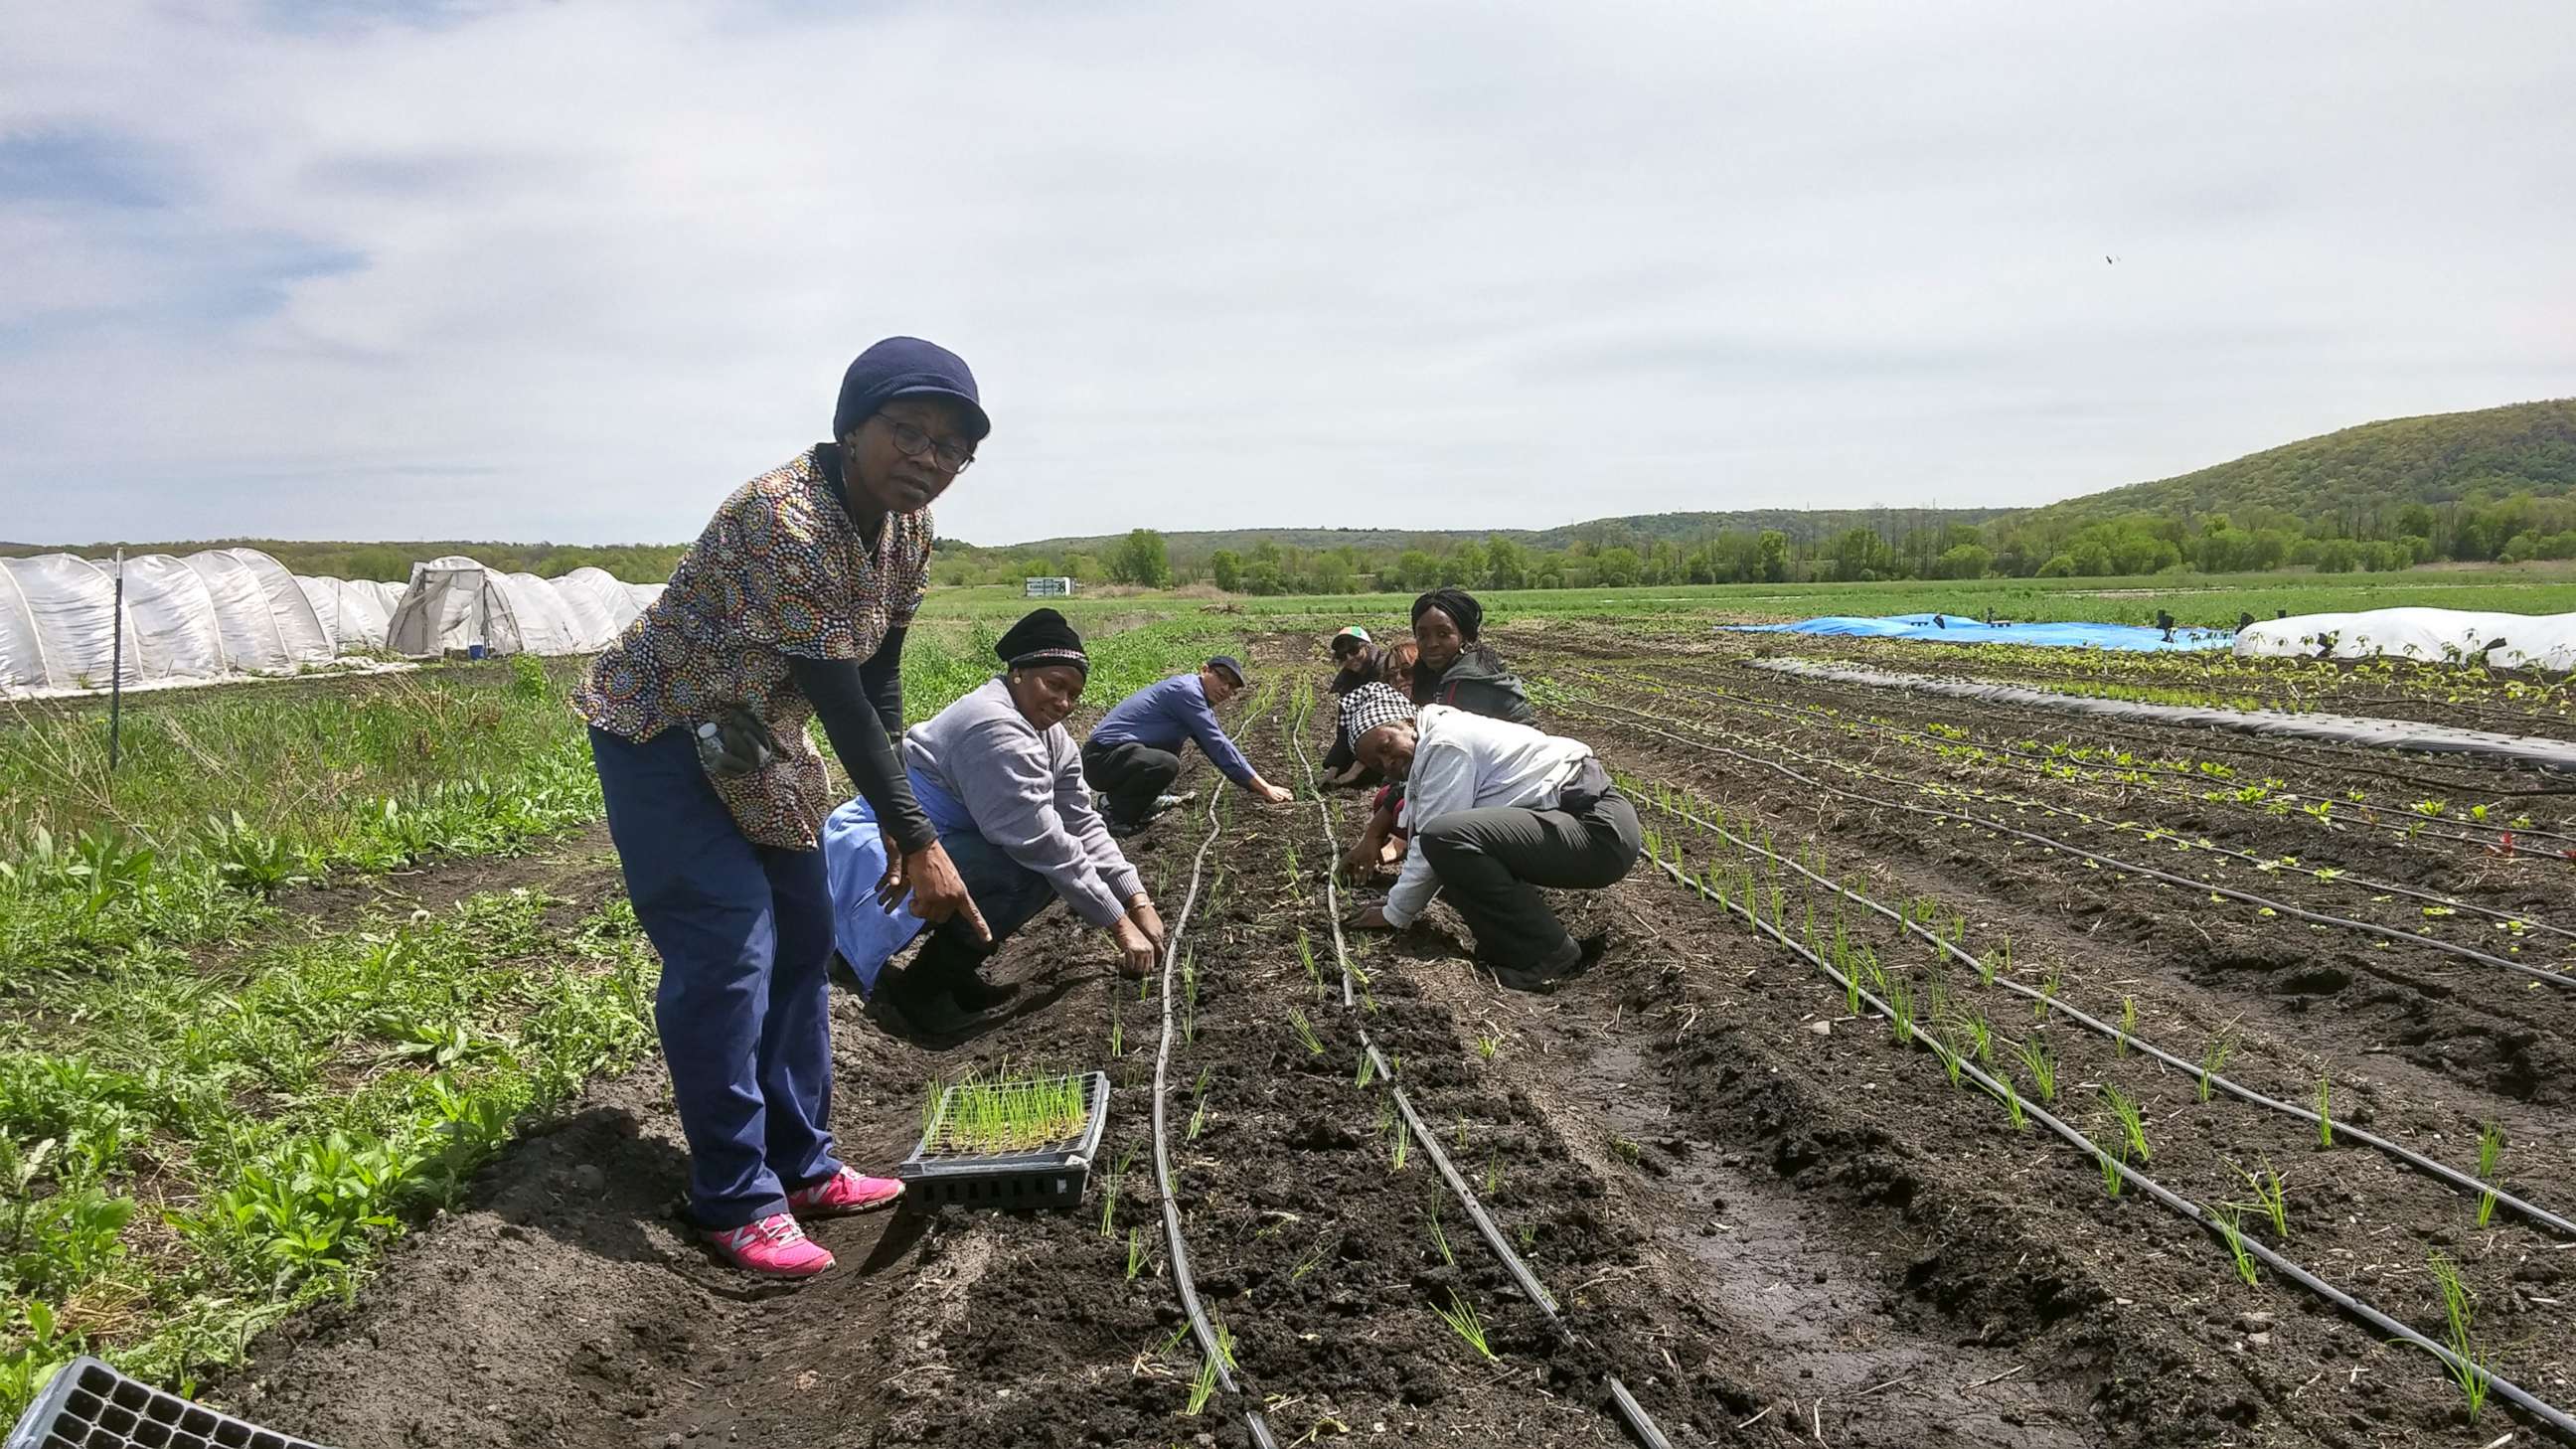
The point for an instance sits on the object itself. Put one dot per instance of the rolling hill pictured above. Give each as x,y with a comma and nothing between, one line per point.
2432,460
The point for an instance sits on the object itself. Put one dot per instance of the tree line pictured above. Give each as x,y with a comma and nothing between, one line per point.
2519,528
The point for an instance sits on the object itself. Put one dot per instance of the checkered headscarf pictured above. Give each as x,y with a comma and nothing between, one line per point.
1372,705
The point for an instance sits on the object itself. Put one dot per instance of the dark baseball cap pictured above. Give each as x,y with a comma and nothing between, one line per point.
1229,666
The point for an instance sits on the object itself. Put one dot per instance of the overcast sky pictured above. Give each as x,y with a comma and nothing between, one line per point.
573,269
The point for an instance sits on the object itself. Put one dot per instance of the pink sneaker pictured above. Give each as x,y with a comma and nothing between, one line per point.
774,1246
843,1193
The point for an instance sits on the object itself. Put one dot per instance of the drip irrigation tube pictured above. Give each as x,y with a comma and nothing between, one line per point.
1211,1350
2356,882
2541,1217
2557,1419
2284,908
1623,1404
2334,729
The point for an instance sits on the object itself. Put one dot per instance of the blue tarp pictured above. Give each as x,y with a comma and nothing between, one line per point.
1953,629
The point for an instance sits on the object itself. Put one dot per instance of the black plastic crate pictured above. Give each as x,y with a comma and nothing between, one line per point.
91,1406
1051,1176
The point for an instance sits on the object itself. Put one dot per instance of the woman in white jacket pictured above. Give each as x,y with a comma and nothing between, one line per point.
1001,780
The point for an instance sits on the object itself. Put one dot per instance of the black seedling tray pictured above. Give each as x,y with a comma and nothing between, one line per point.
91,1406
1052,1176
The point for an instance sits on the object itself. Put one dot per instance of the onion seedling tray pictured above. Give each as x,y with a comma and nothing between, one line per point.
91,1406
942,1170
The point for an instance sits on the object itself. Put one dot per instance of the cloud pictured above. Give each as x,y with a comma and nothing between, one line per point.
574,269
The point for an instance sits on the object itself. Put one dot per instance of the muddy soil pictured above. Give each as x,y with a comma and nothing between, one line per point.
1771,1221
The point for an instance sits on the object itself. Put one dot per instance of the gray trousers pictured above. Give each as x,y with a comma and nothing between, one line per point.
1491,862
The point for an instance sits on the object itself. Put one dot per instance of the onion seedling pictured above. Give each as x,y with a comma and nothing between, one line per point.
2132,1126
2470,1371
2003,1092
1461,1316
2047,996
2042,1066
1203,1387
2490,1157
1950,1061
2128,1028
1493,1175
1900,1006
1314,1260
1135,1253
1979,1036
1489,1045
2325,1110
2214,1060
1198,1121
2112,1178
1439,1239
1367,1069
1403,1149
2271,1198
2234,1236
1305,1030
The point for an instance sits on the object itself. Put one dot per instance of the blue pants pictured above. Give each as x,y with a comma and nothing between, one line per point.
1009,895
745,935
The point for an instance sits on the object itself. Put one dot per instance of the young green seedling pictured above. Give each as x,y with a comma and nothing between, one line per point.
1367,1069
1440,1239
2234,1236
2214,1060
2271,1199
1900,1006
1460,1315
2133,1127
2112,1178
1203,1387
2325,1111
2470,1371
1135,1253
2490,1157
2042,1066
1305,1031
2128,1026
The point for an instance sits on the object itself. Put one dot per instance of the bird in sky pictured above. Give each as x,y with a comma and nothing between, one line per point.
2110,261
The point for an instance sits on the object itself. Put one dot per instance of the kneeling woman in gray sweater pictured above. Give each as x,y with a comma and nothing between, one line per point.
1001,780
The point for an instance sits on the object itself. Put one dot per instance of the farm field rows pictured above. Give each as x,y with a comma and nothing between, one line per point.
1766,1211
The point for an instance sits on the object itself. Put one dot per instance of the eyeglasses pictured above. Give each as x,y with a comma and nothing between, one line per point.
912,442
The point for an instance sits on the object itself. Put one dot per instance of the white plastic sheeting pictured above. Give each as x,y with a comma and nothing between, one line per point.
223,613
57,623
266,623
208,615
357,612
456,603
2522,641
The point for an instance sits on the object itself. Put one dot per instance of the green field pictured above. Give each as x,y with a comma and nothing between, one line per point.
220,1096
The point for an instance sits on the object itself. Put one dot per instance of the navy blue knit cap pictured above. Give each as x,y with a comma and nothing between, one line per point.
906,367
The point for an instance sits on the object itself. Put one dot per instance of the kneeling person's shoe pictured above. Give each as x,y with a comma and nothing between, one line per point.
972,992
1566,960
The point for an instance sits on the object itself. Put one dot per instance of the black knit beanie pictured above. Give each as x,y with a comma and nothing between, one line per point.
1042,637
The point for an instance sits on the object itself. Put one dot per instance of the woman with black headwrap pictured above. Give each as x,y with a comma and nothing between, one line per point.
1001,779
792,605
1451,667
1458,670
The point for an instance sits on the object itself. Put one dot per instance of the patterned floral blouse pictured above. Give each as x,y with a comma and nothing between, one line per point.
781,572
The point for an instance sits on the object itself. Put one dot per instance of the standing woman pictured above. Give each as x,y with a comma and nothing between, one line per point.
791,605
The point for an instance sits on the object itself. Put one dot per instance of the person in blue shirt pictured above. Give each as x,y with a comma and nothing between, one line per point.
1133,755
